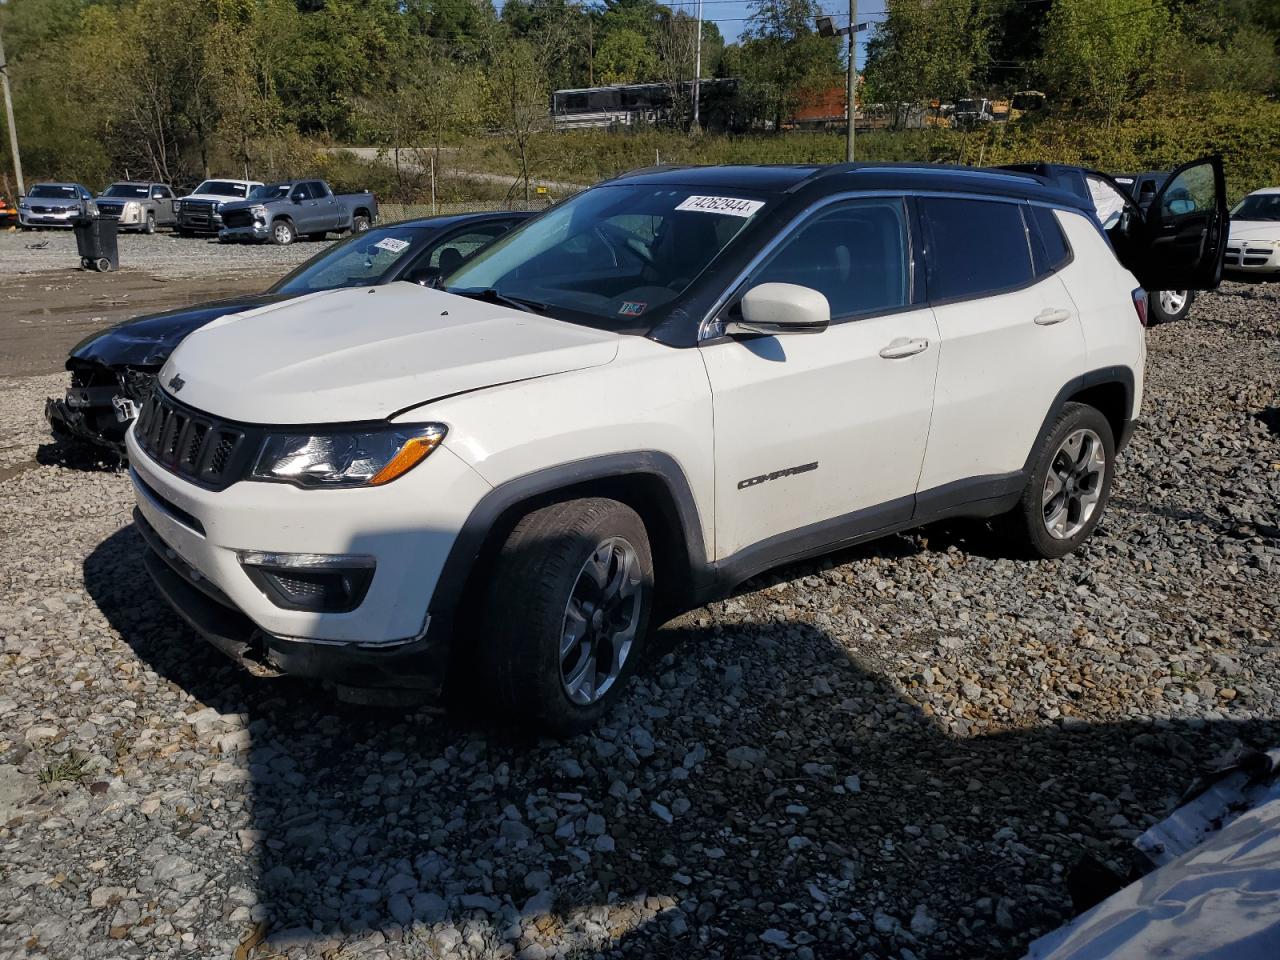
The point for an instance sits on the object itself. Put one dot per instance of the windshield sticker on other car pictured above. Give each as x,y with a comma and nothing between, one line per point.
733,206
633,308
391,244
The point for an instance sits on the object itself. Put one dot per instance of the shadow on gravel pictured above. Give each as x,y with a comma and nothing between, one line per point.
799,789
1270,418
73,455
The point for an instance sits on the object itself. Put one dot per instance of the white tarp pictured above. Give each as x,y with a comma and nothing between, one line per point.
1217,894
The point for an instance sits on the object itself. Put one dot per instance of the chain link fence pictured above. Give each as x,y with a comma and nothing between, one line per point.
392,212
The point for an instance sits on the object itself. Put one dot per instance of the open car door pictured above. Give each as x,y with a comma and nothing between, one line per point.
1179,241
1183,237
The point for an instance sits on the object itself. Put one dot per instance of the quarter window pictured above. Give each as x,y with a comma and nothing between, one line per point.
974,247
1049,250
856,254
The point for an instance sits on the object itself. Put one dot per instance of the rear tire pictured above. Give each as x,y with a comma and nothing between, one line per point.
568,604
1069,485
1168,306
359,223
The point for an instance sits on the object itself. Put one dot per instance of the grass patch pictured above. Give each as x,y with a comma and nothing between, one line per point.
66,769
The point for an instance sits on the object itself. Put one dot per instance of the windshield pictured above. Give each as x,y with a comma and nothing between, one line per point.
126,190
360,261
221,188
270,191
611,257
1259,206
52,190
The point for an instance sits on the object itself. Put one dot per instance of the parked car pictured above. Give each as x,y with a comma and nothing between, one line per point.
53,204
139,205
113,371
199,211
8,213
282,212
970,113
653,391
1254,244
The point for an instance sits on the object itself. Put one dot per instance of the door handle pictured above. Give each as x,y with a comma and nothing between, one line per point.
1049,316
901,347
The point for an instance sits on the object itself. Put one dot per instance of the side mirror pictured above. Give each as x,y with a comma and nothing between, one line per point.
296,197
773,309
423,276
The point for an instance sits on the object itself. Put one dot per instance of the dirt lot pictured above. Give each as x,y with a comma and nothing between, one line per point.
899,752
48,304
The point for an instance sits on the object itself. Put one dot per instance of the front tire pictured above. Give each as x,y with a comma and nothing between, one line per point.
282,233
568,606
1069,485
150,227
1167,306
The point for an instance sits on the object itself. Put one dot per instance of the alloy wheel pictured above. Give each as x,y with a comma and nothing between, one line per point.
1172,301
1073,484
601,618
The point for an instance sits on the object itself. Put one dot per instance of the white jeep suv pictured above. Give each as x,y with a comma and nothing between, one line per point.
632,403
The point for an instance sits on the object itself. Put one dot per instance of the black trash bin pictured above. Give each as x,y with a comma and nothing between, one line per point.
96,241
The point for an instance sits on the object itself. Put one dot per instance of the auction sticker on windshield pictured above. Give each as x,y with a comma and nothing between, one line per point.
733,206
391,244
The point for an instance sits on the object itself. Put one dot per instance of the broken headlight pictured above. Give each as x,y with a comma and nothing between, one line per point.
360,458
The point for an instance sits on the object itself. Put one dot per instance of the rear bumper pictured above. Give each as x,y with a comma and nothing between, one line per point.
418,666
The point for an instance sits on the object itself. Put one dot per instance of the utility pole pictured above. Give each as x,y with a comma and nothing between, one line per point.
8,112
827,28
697,67
852,95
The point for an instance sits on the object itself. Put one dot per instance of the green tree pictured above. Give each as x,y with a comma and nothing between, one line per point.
929,48
781,58
1104,53
625,55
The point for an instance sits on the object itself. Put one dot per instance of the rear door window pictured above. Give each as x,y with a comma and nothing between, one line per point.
974,248
856,254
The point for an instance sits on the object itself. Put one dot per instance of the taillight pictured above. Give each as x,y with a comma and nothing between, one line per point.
1140,305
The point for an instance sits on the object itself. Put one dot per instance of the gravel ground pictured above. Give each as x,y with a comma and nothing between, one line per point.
26,251
900,751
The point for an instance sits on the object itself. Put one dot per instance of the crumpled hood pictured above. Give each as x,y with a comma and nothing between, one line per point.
365,354
147,341
1255,230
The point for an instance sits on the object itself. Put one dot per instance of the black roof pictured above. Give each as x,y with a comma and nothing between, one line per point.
864,176
443,220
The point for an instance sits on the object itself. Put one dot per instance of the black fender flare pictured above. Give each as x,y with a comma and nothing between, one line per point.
561,481
1094,378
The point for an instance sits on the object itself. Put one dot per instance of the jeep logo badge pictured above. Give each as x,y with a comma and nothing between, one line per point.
176,383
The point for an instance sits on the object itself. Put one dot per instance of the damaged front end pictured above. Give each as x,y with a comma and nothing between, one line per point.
100,403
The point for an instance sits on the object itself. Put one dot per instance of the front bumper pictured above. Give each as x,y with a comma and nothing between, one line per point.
418,666
199,221
256,231
63,218
408,527
1245,257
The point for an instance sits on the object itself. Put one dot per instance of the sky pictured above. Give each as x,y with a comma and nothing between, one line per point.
730,15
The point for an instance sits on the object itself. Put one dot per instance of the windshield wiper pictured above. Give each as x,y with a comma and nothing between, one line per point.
493,296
